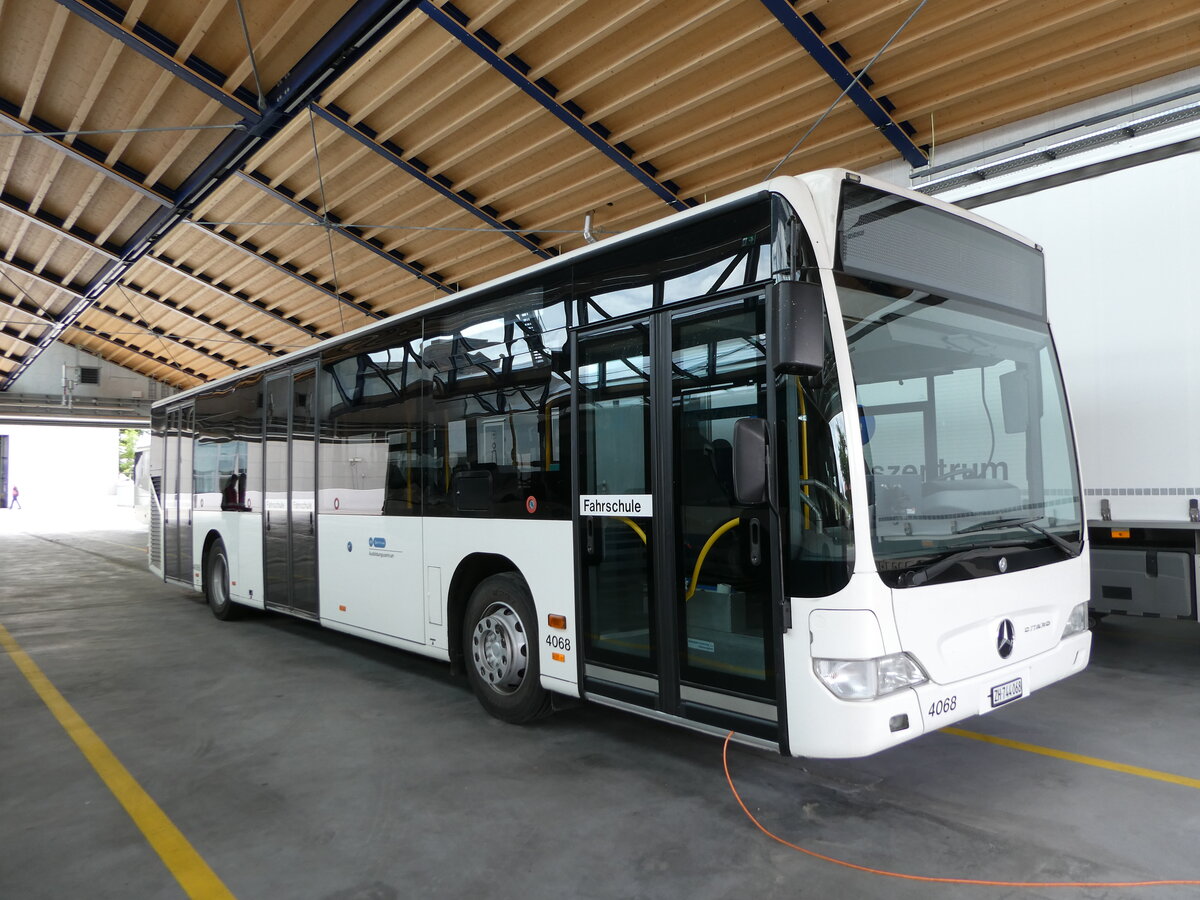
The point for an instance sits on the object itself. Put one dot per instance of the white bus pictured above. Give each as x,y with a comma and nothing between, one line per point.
796,464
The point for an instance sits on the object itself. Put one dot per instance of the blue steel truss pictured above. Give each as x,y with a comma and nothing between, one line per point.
160,50
341,46
595,134
394,155
805,35
349,232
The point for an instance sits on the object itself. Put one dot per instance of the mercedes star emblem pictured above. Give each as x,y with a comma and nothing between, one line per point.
1004,639
1002,565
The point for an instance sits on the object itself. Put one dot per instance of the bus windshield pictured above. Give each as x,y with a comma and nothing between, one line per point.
964,426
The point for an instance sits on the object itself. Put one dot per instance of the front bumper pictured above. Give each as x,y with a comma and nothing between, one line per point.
847,729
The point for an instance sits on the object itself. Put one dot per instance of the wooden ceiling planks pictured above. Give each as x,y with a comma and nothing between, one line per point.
427,169
282,30
1006,86
154,363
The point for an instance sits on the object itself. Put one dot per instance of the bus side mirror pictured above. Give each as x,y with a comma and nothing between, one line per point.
798,311
750,461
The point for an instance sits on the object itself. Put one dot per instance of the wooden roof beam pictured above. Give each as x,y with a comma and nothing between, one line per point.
349,232
128,347
439,183
164,335
10,304
999,42
243,299
72,233
31,270
50,325
8,333
160,50
1091,48
543,93
75,292
172,305
262,255
45,58
84,153
78,292
20,336
338,48
642,44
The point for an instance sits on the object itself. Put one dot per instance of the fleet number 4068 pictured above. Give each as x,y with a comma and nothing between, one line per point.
944,706
557,642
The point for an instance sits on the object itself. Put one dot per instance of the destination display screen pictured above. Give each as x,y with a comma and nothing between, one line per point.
891,238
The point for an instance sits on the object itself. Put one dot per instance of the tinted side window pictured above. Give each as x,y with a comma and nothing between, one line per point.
370,415
719,252
227,462
495,433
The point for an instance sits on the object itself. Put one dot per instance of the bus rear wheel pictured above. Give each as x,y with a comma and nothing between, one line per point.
500,642
216,583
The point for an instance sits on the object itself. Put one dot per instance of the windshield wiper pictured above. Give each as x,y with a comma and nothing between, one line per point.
993,524
1028,525
1059,542
936,568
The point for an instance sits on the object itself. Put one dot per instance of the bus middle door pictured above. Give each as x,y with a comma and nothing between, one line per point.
289,481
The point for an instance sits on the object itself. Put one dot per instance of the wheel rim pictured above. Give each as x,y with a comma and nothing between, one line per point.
499,648
219,577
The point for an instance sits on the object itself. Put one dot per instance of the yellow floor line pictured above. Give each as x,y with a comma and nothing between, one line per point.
180,858
1078,758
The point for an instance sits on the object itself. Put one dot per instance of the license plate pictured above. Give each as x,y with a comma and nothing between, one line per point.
1008,692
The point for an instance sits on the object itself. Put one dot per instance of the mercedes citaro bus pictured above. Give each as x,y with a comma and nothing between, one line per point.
796,464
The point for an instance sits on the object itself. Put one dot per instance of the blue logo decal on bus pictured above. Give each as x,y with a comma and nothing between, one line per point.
377,543
349,547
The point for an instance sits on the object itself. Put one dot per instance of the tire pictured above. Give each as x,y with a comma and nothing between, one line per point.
501,648
216,583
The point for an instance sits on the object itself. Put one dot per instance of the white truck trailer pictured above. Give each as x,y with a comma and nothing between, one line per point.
1123,281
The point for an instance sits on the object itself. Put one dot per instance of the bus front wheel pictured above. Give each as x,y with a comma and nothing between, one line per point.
500,642
216,583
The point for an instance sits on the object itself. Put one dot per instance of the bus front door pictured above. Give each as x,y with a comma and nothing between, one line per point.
678,598
289,482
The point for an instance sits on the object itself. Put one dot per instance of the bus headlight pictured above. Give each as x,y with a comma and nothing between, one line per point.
866,679
1077,621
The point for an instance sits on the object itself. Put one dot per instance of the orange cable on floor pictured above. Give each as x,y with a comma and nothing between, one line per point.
929,878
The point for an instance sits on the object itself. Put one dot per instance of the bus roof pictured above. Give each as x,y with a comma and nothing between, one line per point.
822,186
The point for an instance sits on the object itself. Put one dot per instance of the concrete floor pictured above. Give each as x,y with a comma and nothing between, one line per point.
301,763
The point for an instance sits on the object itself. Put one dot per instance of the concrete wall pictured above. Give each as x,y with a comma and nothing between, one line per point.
46,377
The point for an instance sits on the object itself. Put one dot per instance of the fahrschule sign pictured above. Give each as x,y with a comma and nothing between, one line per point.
616,505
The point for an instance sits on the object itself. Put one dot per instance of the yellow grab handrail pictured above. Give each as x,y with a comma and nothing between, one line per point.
712,539
634,525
